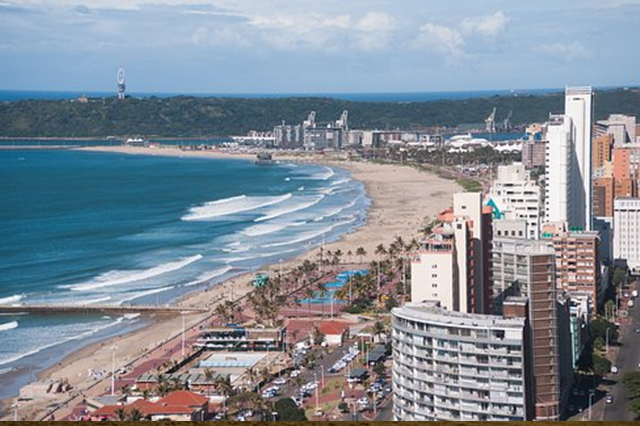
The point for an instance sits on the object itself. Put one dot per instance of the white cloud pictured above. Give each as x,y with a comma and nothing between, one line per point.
374,30
567,52
489,26
442,39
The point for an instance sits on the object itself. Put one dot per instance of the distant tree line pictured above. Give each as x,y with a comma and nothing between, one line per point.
204,117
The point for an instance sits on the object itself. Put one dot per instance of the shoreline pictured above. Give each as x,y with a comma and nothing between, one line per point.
402,200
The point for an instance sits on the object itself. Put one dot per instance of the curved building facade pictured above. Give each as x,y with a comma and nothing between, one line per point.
455,366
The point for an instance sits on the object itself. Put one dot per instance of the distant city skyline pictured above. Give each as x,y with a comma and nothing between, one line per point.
333,46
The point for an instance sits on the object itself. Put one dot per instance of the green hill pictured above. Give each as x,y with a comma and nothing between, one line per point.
202,117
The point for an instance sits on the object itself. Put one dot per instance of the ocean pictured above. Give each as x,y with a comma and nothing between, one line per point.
16,95
84,227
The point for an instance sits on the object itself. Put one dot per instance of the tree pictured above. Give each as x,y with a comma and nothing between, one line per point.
224,387
619,274
380,369
318,337
361,252
288,411
209,376
598,328
349,255
121,414
601,365
631,382
379,328
135,415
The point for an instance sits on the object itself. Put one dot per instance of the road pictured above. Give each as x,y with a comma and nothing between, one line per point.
627,361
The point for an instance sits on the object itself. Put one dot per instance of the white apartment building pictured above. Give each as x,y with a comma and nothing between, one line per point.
457,366
515,196
626,238
449,266
578,106
568,161
558,169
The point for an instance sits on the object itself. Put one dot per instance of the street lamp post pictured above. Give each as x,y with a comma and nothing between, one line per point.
322,368
607,340
590,403
315,377
113,369
15,411
183,333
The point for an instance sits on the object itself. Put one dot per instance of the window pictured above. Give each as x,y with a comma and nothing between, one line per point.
434,285
434,275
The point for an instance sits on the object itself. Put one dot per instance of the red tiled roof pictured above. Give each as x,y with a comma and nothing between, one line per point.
333,327
172,409
184,398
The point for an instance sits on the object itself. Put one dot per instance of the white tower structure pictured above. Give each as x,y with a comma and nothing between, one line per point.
121,83
558,170
569,152
579,107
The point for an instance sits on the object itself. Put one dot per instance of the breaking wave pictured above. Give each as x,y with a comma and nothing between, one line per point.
229,206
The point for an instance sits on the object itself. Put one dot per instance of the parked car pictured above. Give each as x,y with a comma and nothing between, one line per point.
295,373
609,399
614,369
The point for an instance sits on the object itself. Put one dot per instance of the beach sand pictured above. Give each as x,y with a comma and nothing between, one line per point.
403,198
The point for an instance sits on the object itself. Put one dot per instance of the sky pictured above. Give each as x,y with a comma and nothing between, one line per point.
322,46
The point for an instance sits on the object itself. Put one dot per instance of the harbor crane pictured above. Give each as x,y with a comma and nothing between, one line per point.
506,124
311,120
491,122
343,122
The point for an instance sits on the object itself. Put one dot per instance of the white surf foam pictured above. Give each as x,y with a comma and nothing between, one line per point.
269,228
138,295
90,301
340,182
11,299
124,277
8,325
310,235
335,211
220,208
281,211
207,276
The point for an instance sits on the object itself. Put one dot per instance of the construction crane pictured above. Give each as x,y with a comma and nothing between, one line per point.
491,122
506,124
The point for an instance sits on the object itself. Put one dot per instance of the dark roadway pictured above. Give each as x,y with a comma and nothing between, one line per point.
628,360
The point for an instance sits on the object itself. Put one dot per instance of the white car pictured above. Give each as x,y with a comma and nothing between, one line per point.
295,373
281,381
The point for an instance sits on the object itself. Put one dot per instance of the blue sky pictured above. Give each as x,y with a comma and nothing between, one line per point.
294,46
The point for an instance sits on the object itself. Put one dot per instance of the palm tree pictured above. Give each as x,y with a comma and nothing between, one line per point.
223,386
209,376
121,414
337,256
146,393
349,254
252,375
361,252
135,415
380,250
379,328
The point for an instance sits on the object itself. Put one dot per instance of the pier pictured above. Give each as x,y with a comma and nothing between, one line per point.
99,309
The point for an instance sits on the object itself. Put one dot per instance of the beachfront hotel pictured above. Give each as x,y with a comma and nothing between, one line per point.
456,366
452,265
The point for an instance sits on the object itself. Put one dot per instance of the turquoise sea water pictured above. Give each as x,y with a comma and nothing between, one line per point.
103,228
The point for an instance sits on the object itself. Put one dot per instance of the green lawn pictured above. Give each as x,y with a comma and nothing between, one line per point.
470,185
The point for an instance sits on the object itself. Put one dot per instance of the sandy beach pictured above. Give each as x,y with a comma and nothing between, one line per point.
403,198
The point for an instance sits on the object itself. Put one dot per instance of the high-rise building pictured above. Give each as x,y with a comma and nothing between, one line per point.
578,106
453,264
602,151
603,196
514,195
578,266
626,239
569,161
451,365
621,127
526,268
558,185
